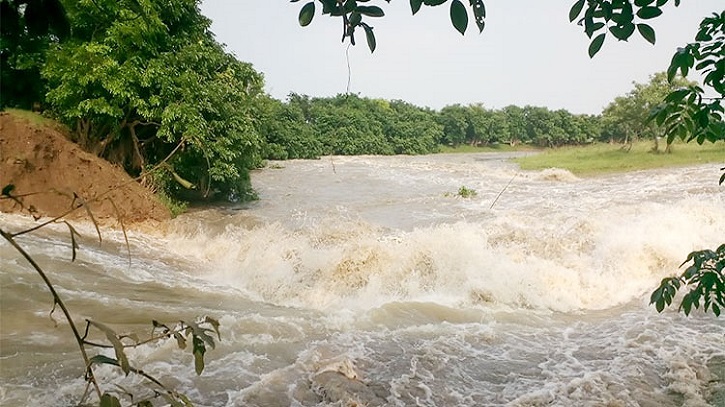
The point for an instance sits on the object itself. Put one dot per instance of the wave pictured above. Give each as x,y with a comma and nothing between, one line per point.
516,259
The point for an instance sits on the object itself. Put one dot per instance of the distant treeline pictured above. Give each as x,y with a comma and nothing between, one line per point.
308,127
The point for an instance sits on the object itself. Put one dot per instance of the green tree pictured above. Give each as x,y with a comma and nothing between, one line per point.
139,81
626,118
286,132
542,128
454,120
412,130
516,123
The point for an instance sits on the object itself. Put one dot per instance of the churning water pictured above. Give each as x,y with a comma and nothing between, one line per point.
374,269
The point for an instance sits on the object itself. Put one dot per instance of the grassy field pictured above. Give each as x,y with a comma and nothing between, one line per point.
607,158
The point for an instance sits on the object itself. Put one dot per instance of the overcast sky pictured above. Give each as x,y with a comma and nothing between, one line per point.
529,53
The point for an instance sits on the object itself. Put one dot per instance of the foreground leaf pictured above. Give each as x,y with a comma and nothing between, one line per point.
369,36
459,16
647,33
306,14
596,45
117,345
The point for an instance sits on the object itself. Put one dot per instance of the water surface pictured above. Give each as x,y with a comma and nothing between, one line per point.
533,292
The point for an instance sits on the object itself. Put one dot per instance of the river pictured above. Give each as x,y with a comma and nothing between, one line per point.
533,292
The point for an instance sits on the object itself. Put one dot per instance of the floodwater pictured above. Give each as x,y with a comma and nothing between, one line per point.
533,292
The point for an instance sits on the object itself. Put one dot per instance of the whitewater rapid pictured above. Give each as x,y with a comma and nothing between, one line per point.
532,292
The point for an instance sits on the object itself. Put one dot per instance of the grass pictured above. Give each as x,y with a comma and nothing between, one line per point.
175,206
598,159
34,118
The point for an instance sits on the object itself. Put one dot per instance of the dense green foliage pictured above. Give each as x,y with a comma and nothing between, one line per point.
685,112
137,80
305,127
688,113
706,278
145,85
626,118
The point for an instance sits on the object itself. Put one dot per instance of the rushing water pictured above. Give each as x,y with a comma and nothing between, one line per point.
535,297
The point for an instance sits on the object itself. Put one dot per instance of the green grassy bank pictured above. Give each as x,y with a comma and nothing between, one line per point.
598,159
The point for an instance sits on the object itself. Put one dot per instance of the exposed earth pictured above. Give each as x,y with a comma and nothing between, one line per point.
47,169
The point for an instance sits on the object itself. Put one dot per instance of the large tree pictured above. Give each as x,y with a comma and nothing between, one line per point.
143,81
626,117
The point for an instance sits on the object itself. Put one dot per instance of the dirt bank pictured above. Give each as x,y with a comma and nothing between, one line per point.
38,159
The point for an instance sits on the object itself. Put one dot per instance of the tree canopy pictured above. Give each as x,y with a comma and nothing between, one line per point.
626,117
145,85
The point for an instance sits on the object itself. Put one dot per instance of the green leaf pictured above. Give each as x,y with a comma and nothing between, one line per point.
306,14
591,28
415,5
199,350
214,322
479,14
575,10
102,360
647,13
703,36
370,37
108,400
686,304
675,97
117,345
642,3
596,45
623,32
180,340
656,295
459,16
672,69
7,189
370,11
647,33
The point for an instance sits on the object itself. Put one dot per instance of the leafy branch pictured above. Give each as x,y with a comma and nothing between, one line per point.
687,113
706,276
352,15
200,332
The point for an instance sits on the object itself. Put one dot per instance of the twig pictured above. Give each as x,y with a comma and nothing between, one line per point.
502,191
59,302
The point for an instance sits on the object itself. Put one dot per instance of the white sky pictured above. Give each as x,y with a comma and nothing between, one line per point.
529,53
